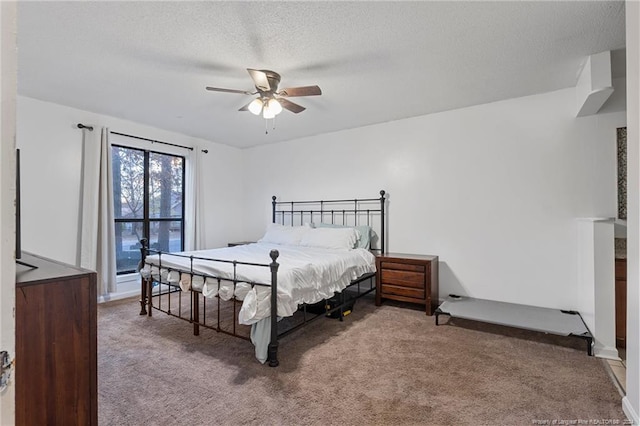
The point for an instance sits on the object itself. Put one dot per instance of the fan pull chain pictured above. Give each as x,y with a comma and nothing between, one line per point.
266,125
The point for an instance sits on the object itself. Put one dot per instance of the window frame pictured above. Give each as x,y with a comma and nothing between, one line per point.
146,220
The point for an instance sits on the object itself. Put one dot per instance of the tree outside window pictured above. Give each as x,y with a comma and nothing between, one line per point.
148,189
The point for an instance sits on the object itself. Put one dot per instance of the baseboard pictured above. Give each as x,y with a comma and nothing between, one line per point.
606,352
629,411
117,296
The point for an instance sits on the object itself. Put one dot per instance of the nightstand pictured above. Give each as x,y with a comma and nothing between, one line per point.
409,278
239,243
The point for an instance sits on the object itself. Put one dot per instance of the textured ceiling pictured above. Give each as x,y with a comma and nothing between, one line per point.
149,62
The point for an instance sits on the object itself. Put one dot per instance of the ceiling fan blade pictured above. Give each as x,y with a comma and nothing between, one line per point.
218,89
260,79
287,104
246,107
300,91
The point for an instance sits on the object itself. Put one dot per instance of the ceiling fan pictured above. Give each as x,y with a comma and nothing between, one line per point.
271,100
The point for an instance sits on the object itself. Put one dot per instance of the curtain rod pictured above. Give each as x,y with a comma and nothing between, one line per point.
82,126
206,151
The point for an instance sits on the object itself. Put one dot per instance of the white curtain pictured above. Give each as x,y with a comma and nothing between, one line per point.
97,230
194,225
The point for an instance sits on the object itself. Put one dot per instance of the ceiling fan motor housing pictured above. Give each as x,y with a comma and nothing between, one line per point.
274,79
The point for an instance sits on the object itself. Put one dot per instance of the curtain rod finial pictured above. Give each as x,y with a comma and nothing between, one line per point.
82,126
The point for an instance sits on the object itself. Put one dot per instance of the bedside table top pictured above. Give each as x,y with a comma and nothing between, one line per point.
407,256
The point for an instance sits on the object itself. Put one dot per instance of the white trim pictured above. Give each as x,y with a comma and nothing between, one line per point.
629,412
117,296
125,278
606,352
128,286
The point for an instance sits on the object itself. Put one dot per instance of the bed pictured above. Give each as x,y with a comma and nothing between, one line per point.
313,261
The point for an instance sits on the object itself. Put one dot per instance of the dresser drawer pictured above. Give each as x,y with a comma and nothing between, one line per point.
403,278
394,290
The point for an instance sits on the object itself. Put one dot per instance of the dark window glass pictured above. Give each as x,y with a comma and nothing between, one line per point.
148,190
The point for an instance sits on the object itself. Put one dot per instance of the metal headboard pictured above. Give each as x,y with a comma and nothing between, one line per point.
354,212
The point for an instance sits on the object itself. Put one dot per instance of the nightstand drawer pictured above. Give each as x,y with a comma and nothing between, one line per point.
402,266
413,293
402,278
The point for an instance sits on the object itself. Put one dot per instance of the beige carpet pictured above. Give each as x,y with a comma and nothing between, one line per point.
389,366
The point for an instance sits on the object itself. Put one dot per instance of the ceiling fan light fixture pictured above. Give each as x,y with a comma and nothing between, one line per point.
275,106
256,106
268,113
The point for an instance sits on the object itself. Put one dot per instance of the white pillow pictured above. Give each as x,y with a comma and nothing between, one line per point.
284,235
364,233
331,238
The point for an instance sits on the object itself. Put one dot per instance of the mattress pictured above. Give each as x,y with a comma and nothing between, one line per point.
305,275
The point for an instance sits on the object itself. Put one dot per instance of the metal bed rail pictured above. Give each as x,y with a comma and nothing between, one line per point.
308,317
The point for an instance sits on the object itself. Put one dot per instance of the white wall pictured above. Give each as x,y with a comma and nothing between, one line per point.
595,295
51,152
604,326
494,189
631,403
617,102
8,79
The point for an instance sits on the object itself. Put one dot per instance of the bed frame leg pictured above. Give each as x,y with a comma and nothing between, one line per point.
273,343
143,297
273,355
196,312
143,281
149,297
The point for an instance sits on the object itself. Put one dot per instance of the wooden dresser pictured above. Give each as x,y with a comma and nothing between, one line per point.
56,344
408,278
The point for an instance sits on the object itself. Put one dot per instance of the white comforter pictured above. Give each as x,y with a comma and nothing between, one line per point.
305,275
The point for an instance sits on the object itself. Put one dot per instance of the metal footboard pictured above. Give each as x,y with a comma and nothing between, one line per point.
158,293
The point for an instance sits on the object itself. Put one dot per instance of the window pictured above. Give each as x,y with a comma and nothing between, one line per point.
148,195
